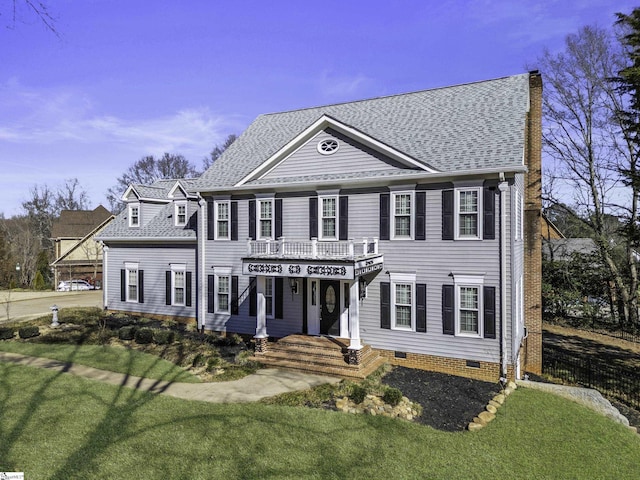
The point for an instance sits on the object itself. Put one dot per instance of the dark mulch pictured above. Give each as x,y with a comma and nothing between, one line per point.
448,402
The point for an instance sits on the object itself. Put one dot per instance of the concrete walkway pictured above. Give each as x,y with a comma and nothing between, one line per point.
264,383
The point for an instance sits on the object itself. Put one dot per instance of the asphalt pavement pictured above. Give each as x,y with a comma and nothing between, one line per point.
16,306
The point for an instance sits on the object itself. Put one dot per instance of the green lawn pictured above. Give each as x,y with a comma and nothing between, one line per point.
57,426
114,359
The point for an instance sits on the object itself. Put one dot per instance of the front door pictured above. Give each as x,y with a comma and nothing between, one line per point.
329,307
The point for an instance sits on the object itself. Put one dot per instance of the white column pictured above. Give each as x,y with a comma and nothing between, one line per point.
354,317
261,323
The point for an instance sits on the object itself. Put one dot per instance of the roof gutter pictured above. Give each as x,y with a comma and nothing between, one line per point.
148,239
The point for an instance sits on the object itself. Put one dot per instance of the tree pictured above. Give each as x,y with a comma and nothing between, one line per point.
148,170
584,136
218,150
71,196
18,9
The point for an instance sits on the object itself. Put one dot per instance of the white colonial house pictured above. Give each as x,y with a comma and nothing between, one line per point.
403,228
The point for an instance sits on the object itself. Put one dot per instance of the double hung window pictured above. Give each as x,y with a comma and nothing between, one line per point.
265,219
328,217
134,215
469,304
403,301
402,215
181,214
468,202
132,282
178,277
268,296
222,213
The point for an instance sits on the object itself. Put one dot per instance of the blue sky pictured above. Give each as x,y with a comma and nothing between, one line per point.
129,78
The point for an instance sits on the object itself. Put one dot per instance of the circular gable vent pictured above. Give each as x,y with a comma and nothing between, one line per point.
328,146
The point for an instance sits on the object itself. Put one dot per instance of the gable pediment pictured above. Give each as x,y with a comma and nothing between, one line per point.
355,152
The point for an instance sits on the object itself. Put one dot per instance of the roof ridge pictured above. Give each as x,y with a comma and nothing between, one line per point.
382,97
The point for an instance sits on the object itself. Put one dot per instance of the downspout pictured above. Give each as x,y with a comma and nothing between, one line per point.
502,187
200,267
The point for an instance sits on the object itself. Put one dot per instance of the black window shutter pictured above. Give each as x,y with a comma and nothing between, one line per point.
123,285
253,297
252,219
447,215
234,220
385,305
489,299
278,213
234,295
167,287
488,214
343,222
448,323
188,288
421,216
421,307
210,220
211,293
279,284
313,217
385,199
140,286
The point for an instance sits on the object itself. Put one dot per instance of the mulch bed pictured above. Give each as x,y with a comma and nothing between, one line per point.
448,402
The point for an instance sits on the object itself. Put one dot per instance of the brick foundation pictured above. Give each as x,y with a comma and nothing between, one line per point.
487,371
261,344
355,356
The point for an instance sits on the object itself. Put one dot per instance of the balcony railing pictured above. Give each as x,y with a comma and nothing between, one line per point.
314,248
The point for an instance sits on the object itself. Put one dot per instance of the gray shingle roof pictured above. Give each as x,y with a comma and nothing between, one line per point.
161,226
472,126
160,189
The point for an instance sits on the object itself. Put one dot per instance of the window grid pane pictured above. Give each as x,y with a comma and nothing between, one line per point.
468,225
328,227
223,294
469,202
403,204
469,301
328,207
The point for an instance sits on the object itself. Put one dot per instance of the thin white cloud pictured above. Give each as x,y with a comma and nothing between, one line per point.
339,87
52,117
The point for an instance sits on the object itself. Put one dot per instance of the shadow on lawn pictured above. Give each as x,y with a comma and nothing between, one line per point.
114,426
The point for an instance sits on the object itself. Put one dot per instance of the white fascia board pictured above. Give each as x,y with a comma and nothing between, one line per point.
160,240
327,122
130,189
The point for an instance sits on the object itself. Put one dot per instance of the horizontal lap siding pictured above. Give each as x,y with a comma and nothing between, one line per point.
308,161
432,260
154,261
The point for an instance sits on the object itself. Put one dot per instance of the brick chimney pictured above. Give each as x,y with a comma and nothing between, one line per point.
532,235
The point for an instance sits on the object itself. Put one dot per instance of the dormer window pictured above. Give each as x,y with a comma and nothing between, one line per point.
181,214
134,215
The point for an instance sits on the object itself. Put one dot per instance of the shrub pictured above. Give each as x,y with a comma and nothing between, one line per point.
127,333
198,360
29,332
392,396
358,393
6,333
143,336
38,281
163,337
213,363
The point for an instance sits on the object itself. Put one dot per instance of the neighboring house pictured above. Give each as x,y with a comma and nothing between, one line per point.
549,230
564,249
78,255
406,225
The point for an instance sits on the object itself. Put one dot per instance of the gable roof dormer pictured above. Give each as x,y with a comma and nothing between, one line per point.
179,192
326,122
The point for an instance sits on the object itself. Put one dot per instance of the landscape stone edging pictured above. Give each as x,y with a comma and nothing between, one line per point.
374,405
489,413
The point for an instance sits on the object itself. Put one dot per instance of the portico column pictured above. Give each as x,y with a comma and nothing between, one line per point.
355,346
261,318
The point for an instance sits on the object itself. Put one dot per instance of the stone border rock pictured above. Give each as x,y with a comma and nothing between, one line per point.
374,405
489,413
588,397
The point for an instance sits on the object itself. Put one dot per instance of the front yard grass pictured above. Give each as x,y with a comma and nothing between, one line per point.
58,426
104,357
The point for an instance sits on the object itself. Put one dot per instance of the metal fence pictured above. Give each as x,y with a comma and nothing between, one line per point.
617,382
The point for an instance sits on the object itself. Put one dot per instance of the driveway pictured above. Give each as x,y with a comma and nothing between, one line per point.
27,305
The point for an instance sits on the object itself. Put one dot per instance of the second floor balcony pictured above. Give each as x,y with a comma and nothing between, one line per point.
313,249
